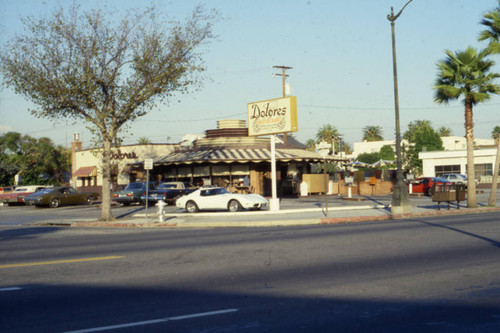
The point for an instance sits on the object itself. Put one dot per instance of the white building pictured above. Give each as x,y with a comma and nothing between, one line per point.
453,159
449,143
436,163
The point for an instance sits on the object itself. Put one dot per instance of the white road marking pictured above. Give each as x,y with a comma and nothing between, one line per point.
153,321
10,289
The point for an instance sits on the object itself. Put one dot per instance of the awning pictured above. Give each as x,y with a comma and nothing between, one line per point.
88,171
242,155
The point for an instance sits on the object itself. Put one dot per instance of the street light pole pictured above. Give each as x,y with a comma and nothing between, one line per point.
400,198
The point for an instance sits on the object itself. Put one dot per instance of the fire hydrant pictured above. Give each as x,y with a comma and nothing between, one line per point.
160,206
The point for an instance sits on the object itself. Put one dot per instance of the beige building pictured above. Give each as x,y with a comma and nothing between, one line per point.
225,156
86,163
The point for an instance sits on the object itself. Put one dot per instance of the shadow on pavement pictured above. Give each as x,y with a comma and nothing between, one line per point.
64,308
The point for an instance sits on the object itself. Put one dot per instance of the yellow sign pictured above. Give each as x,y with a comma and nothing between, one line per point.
273,116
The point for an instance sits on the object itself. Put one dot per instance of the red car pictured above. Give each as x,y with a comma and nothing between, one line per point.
17,196
424,184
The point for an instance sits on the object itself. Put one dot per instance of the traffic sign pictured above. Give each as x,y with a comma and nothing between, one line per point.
148,164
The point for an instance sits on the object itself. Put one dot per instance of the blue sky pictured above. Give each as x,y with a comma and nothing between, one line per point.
341,56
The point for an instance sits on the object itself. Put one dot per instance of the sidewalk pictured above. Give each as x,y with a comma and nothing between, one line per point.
295,211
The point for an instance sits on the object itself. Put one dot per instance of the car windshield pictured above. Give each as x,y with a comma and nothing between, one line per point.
164,186
45,190
134,186
218,191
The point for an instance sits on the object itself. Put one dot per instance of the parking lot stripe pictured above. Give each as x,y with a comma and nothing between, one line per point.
55,262
153,321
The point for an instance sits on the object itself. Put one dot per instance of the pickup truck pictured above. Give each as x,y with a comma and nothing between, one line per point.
168,192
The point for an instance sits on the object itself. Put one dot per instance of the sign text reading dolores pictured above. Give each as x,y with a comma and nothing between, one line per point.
273,116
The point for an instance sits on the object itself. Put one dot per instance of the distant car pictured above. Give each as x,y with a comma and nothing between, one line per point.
132,193
424,184
218,198
59,195
457,178
17,196
7,189
168,192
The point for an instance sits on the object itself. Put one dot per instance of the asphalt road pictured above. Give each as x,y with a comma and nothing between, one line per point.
420,275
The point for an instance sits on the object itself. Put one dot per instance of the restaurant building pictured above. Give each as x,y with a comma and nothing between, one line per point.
226,156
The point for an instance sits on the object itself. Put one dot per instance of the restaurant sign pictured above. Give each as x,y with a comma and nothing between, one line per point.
273,116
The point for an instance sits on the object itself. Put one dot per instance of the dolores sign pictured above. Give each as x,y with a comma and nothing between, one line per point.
273,116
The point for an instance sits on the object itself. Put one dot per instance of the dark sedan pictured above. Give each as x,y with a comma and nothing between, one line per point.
60,195
132,193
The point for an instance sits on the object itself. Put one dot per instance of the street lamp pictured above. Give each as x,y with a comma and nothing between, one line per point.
400,199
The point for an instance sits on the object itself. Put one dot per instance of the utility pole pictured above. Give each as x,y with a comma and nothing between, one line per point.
284,76
400,198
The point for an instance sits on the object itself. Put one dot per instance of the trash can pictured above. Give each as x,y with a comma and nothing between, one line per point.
448,192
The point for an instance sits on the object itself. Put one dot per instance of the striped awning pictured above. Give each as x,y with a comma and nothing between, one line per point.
88,171
243,155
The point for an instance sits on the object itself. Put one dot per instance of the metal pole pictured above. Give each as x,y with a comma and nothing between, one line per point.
400,199
326,187
147,192
274,204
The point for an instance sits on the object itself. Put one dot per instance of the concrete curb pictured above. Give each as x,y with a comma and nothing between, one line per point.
463,211
182,223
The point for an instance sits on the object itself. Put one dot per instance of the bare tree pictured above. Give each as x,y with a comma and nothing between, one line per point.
85,66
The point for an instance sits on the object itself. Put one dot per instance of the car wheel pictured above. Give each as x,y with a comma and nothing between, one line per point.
54,203
89,201
126,203
192,207
234,206
430,192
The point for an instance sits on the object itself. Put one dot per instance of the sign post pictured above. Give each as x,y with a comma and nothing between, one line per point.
148,165
271,117
323,149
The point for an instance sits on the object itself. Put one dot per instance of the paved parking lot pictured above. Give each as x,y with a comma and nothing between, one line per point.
312,207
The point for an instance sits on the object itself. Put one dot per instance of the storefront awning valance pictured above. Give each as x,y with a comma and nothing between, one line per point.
243,155
88,171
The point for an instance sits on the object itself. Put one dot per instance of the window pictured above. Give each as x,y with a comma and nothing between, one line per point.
442,169
485,169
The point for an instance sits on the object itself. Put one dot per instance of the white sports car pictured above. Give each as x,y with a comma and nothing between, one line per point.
218,198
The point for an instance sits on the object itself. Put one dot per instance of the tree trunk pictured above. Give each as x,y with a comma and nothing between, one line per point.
106,214
469,136
494,182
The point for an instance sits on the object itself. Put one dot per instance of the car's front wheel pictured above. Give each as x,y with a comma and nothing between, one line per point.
54,203
89,200
234,206
192,207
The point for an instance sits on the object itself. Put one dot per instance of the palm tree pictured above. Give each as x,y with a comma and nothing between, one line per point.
444,131
495,134
466,74
372,133
143,140
491,20
330,134
311,144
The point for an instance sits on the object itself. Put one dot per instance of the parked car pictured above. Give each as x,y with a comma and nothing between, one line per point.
17,196
218,198
132,193
424,184
60,195
457,178
168,192
7,189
